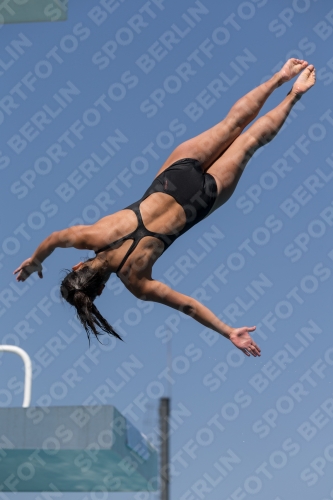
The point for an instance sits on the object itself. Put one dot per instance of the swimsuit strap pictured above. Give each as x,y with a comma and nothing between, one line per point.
129,251
139,232
111,246
130,236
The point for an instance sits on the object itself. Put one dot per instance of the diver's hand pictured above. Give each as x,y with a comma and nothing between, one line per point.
240,338
28,267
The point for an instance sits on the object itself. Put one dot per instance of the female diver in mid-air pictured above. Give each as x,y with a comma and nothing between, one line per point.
197,178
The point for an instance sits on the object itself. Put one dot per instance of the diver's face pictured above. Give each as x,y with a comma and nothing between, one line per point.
77,266
82,264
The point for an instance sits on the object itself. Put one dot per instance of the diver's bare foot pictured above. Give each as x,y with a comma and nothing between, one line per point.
292,68
305,81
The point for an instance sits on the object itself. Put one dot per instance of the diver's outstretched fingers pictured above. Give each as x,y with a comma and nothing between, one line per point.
241,338
257,351
252,350
28,267
256,348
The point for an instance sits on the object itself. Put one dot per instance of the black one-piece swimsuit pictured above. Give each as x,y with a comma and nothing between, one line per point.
192,188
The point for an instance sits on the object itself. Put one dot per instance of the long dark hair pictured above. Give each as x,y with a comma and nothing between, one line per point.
80,288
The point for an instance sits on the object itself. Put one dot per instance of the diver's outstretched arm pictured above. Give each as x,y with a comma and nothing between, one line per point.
65,238
159,292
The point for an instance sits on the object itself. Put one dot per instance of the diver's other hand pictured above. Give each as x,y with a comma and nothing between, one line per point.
240,337
28,267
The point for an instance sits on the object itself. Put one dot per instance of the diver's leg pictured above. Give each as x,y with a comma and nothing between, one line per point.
228,169
209,145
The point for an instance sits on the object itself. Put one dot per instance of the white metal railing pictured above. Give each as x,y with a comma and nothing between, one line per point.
28,371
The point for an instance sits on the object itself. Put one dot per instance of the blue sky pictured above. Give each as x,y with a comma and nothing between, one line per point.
90,109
